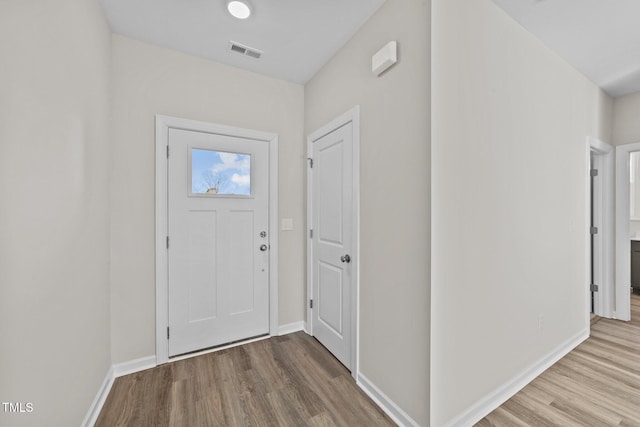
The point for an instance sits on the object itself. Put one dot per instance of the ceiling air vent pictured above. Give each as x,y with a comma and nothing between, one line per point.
245,50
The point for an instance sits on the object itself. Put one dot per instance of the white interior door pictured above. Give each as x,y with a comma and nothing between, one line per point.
218,242
332,242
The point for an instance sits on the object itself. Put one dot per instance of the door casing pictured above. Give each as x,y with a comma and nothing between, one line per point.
603,202
163,124
352,116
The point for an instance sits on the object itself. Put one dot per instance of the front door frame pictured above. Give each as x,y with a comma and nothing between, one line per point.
352,116
163,124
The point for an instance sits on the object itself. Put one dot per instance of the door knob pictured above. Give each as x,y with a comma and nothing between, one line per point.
263,248
345,258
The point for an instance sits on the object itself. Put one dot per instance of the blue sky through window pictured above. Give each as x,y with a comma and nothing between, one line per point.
219,172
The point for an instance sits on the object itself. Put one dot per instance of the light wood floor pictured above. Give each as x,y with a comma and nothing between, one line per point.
282,381
597,384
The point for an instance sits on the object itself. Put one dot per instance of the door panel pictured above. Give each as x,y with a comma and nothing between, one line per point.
332,218
202,283
241,255
218,206
330,191
330,293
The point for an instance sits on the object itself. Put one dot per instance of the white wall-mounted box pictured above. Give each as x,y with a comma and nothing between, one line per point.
384,58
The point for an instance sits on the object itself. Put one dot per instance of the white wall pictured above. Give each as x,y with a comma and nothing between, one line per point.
54,228
626,119
150,80
509,219
395,183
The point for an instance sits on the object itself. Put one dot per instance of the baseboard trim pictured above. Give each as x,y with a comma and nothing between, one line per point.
133,366
291,328
96,406
387,405
503,393
114,372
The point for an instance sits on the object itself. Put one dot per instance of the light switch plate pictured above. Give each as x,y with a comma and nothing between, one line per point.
287,224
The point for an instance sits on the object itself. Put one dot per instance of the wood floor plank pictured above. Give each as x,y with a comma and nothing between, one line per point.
322,420
568,396
596,398
614,384
282,381
597,384
500,418
342,414
621,359
286,414
299,389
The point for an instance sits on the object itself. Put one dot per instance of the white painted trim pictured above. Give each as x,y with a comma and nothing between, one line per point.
133,366
274,232
604,216
623,240
483,407
163,124
291,328
353,116
599,146
309,314
587,246
98,402
161,217
387,405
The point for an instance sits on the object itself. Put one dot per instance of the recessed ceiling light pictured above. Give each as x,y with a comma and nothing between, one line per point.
239,9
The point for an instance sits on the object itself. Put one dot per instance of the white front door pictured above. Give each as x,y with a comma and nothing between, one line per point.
218,244
332,242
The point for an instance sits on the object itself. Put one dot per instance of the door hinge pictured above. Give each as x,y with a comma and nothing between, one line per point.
594,287
311,233
310,303
310,162
167,151
167,332
167,242
593,172
594,230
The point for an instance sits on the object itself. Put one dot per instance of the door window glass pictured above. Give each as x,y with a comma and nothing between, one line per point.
215,173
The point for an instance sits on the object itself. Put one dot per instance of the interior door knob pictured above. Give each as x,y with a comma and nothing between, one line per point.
263,248
345,258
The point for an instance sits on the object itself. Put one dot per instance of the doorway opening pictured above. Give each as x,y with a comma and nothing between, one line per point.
623,229
601,229
634,224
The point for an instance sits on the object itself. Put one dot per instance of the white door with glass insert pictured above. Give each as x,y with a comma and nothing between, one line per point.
218,242
332,241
